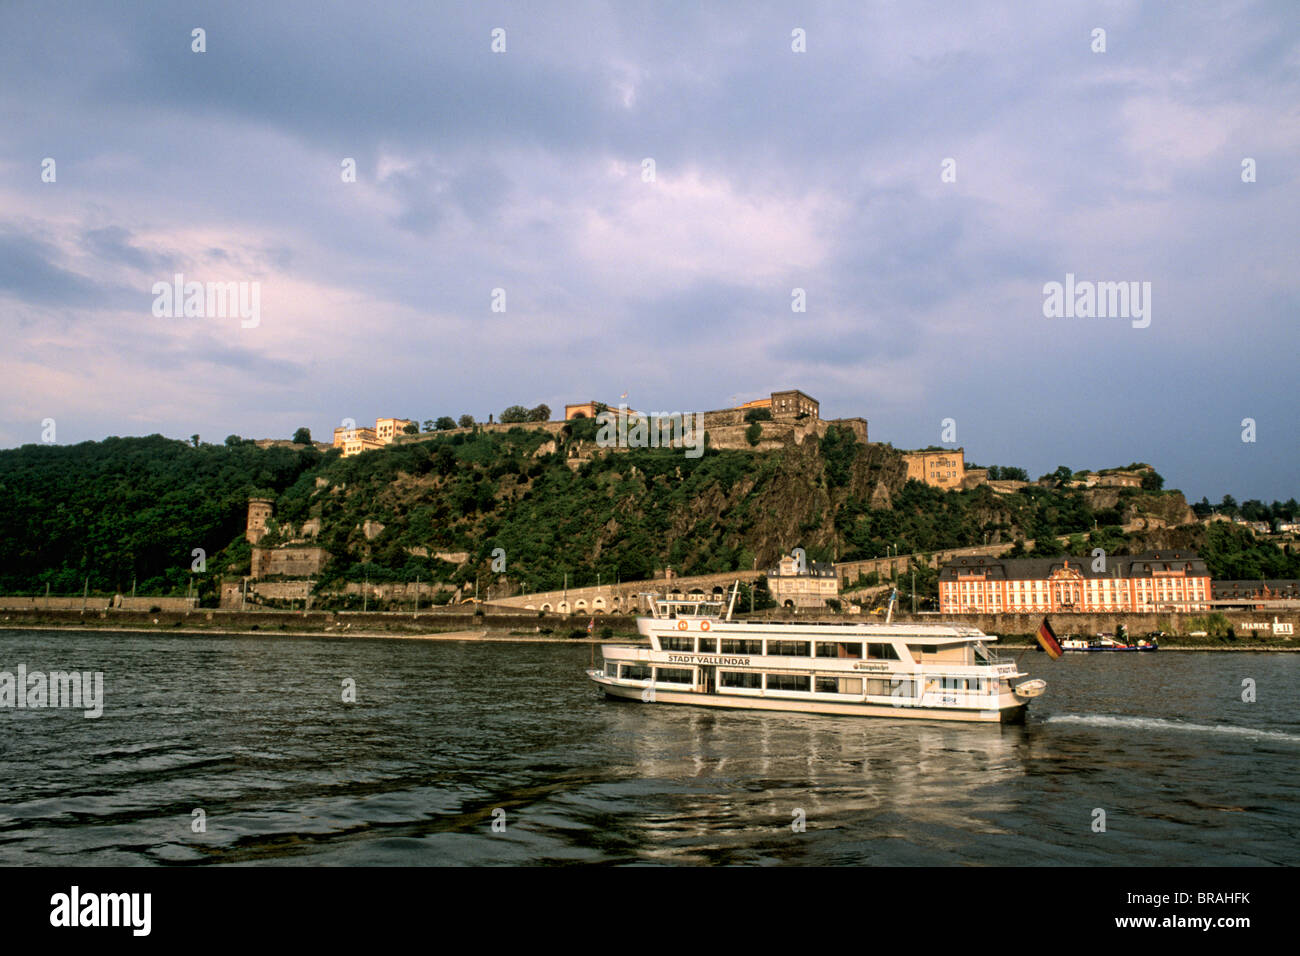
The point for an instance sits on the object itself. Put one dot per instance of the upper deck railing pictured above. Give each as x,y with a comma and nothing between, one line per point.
685,607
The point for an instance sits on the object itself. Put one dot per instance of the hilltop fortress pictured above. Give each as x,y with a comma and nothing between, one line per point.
785,417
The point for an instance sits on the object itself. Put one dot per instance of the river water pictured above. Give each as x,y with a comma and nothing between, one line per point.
445,738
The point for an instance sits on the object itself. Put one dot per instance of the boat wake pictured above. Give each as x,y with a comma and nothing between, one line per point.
1158,723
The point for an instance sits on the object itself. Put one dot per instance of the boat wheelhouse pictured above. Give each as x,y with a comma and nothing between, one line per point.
698,655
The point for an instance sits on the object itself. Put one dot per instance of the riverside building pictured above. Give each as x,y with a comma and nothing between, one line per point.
1147,582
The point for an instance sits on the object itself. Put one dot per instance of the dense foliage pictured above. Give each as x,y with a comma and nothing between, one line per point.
130,510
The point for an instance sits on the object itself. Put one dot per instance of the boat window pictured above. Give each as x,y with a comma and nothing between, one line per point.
675,643
882,687
838,685
673,675
789,649
838,649
636,672
708,645
751,679
882,652
741,646
788,681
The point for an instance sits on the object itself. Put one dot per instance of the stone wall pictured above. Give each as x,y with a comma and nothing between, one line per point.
609,598
726,428
856,425
98,603
336,623
774,436
289,562
899,564
553,428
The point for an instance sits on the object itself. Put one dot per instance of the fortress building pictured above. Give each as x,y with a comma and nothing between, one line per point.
354,441
259,511
789,416
788,405
297,559
939,469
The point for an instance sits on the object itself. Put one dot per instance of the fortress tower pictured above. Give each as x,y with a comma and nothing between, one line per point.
259,510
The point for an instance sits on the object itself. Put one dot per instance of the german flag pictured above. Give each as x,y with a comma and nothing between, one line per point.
1047,638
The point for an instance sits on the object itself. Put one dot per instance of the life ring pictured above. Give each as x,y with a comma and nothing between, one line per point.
682,625
705,625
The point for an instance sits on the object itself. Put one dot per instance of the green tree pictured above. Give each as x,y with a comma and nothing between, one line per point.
410,428
466,421
444,423
542,413
514,415
302,436
1046,546
1252,509
753,433
839,448
1152,481
1062,474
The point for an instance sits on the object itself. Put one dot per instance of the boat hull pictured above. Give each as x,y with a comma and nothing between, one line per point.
1007,713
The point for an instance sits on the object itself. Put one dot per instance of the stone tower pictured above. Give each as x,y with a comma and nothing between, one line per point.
259,510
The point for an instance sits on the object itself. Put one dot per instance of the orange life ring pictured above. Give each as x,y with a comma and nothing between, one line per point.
682,625
705,625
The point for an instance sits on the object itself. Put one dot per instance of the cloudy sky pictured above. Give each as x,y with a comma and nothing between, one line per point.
774,170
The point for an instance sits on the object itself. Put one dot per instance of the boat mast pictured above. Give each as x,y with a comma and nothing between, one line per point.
735,589
889,615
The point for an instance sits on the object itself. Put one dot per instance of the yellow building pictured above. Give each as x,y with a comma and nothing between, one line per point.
584,410
386,429
939,469
354,441
592,409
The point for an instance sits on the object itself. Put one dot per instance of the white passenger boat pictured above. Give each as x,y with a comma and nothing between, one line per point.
698,655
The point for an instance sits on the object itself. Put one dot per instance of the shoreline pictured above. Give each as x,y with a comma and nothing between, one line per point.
492,635
1260,648
477,635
